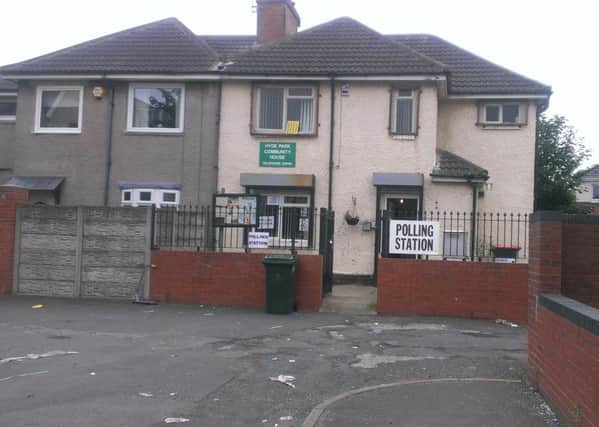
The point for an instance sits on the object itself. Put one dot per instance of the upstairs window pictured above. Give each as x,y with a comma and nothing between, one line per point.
8,107
404,108
149,197
58,109
285,110
155,108
595,191
502,114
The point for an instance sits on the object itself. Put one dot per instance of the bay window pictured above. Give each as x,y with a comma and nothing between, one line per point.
285,110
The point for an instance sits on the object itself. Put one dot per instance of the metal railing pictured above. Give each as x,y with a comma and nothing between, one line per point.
203,228
483,236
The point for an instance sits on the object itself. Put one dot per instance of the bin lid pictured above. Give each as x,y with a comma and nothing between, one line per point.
279,259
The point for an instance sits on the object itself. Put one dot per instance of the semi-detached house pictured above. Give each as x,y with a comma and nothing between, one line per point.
337,116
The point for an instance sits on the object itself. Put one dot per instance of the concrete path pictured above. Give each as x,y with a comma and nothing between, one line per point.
97,363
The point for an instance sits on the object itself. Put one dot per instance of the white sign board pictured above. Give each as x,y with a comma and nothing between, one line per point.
257,240
414,237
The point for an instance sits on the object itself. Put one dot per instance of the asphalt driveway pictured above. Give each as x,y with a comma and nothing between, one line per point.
99,363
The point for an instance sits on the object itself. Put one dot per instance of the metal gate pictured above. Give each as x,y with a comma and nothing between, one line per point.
327,231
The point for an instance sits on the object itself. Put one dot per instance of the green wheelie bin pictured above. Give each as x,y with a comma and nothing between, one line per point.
280,283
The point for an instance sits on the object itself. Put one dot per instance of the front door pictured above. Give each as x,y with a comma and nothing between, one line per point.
402,207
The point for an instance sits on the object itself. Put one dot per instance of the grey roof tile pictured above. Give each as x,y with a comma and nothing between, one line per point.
449,165
469,73
165,46
7,85
591,173
228,47
342,46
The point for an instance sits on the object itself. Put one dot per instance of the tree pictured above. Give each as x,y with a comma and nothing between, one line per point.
559,153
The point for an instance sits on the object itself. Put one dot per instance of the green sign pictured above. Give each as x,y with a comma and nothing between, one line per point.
277,154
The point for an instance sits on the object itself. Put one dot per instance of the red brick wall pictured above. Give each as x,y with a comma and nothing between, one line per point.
563,359
228,279
447,288
9,200
580,264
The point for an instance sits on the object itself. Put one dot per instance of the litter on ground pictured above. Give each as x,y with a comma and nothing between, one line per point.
176,420
506,323
38,306
146,394
34,356
284,379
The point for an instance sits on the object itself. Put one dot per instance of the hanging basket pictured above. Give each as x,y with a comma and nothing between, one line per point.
350,219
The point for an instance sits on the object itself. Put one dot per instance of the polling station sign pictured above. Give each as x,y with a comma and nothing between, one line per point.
414,237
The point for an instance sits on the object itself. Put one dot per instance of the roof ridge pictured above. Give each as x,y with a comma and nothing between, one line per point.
476,56
318,27
110,36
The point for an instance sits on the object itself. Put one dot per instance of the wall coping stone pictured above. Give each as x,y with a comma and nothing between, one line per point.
576,312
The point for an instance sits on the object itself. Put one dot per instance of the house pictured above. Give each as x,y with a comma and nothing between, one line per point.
588,192
337,116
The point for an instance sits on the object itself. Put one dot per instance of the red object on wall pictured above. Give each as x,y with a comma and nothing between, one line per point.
446,288
227,279
9,200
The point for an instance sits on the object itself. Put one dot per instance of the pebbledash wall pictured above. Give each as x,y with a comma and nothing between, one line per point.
361,150
563,334
481,290
229,279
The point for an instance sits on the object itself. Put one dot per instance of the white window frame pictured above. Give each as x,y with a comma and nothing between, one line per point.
500,122
130,105
593,198
414,97
38,110
8,95
157,197
286,96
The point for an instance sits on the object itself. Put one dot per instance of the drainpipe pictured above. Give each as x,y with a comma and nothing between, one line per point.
109,145
219,98
473,219
332,136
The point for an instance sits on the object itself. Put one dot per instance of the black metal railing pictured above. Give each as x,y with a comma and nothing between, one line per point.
483,236
207,229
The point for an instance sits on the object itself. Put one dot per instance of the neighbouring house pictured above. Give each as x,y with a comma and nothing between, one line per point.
588,192
337,116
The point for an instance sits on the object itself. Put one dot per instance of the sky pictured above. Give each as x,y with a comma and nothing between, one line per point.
554,42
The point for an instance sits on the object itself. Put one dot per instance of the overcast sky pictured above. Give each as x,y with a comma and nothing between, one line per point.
554,42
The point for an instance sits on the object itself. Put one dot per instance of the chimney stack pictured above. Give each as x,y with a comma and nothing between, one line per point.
276,20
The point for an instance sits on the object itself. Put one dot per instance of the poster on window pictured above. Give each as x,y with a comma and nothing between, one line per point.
266,223
414,237
235,210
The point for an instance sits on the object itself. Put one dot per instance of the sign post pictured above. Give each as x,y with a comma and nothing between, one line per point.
414,237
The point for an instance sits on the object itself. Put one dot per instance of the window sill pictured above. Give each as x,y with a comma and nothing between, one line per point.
500,126
8,119
283,135
398,137
57,132
153,133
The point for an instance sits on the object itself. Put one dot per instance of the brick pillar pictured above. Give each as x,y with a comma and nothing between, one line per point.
9,200
544,276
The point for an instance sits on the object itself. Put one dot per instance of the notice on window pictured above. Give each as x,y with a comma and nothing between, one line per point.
266,223
257,240
414,237
277,154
